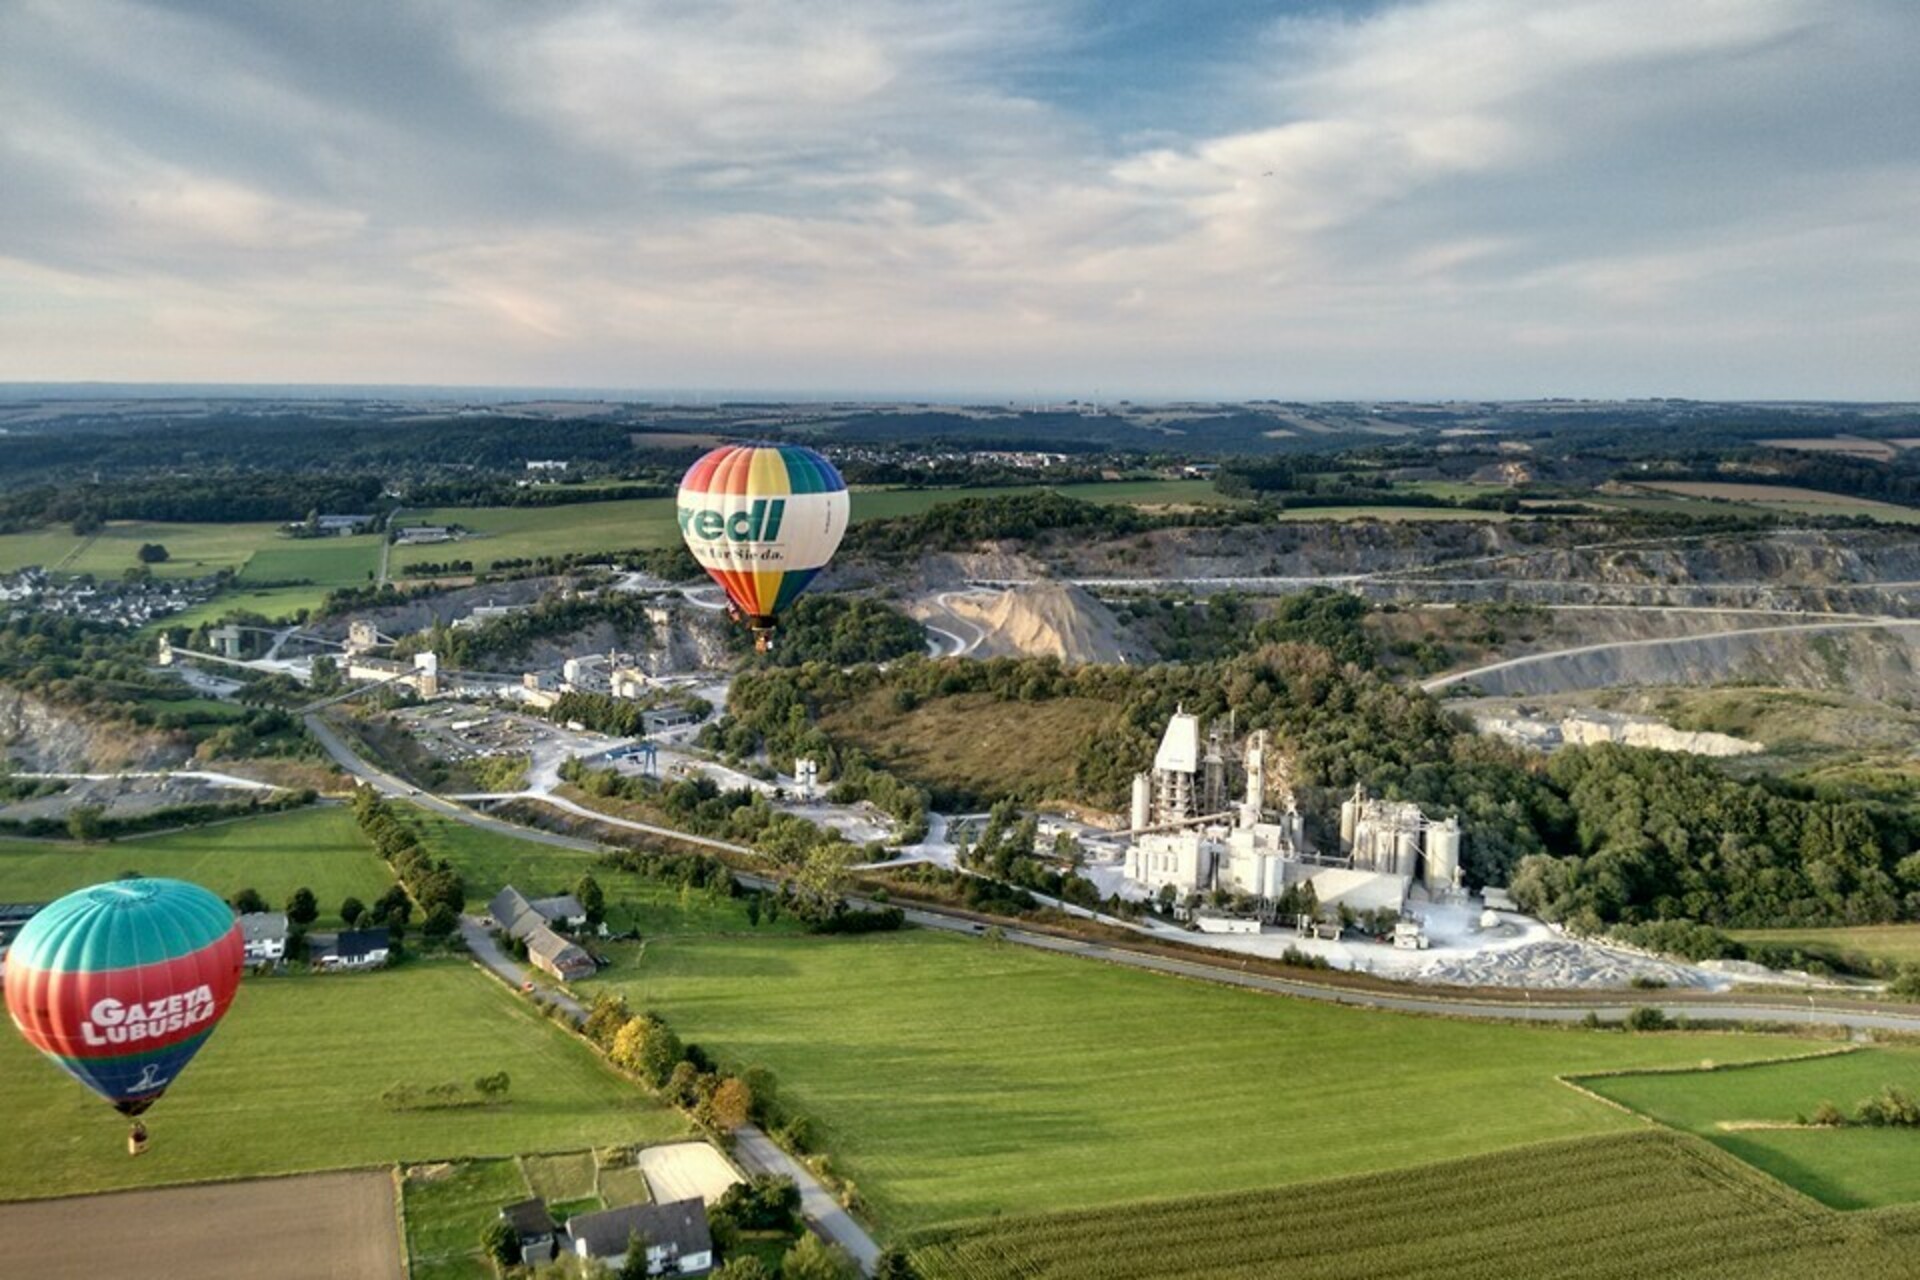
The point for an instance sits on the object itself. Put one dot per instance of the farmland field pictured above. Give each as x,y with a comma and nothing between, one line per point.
954,1078
526,532
292,1082
313,1228
276,854
1813,502
1850,1168
447,1206
1623,1207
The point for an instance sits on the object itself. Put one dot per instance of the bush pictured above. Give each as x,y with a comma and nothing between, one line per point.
1647,1018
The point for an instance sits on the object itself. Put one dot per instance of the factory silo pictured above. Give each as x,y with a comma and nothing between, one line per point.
1406,848
1443,855
1142,801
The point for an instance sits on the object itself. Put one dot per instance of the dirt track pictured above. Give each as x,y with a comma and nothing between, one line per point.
310,1228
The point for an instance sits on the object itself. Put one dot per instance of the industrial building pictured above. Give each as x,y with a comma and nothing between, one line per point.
1189,836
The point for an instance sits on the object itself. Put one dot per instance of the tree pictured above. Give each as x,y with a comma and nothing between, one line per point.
351,910
635,1265
814,1259
152,553
302,908
83,822
440,922
731,1105
894,1263
500,1243
493,1087
248,902
592,899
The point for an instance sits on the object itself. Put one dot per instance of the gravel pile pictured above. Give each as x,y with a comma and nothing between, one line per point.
1559,963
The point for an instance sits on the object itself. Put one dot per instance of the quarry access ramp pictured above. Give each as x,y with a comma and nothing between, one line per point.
1669,660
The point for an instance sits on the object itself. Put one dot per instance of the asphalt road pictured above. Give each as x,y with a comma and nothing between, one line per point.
756,1151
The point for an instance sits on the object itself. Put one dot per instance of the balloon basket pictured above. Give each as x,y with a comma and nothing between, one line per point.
136,1139
762,640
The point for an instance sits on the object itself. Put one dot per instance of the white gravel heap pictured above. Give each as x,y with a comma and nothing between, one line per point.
1557,963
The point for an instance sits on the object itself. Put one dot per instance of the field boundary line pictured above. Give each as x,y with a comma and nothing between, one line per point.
1708,1068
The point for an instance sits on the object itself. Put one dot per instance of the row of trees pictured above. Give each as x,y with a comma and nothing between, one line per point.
434,885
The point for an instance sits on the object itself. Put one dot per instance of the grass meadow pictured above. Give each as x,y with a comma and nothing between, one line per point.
1849,1168
318,847
1623,1207
1894,943
291,1082
955,1079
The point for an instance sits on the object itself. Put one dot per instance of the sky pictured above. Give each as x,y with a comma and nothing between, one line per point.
1095,198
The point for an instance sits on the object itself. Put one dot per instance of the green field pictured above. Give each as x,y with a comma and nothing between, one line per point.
276,854
447,1206
508,533
955,1078
43,547
326,562
1626,1207
489,862
1850,1168
292,1080
1895,943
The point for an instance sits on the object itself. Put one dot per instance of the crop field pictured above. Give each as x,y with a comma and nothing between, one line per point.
319,848
529,532
278,603
326,562
1848,1168
292,1082
313,1228
1624,1207
975,741
1773,497
954,1078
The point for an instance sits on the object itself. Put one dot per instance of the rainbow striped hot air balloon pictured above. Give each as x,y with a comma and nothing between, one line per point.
122,983
762,519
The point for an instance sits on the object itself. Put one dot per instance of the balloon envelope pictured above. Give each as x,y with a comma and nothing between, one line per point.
762,520
121,984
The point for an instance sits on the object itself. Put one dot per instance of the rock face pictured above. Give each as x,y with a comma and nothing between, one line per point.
1049,619
43,737
1586,728
682,637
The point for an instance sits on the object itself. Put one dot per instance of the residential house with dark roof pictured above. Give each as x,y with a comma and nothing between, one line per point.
532,1225
349,949
677,1240
563,912
265,936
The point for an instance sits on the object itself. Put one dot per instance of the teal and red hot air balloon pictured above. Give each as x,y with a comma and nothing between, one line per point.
121,984
762,520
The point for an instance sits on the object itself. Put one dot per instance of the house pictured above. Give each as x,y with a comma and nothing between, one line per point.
553,953
563,912
678,1242
341,526
661,719
265,935
508,908
349,949
533,1228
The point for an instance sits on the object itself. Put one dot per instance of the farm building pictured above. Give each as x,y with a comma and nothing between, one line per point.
678,1241
533,1229
265,936
349,949
553,953
519,915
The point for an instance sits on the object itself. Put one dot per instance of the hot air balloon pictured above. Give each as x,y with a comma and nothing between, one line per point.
762,519
121,984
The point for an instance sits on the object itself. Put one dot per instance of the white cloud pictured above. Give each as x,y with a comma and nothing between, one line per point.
1440,197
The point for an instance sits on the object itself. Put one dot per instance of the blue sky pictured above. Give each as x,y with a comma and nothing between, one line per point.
1415,198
